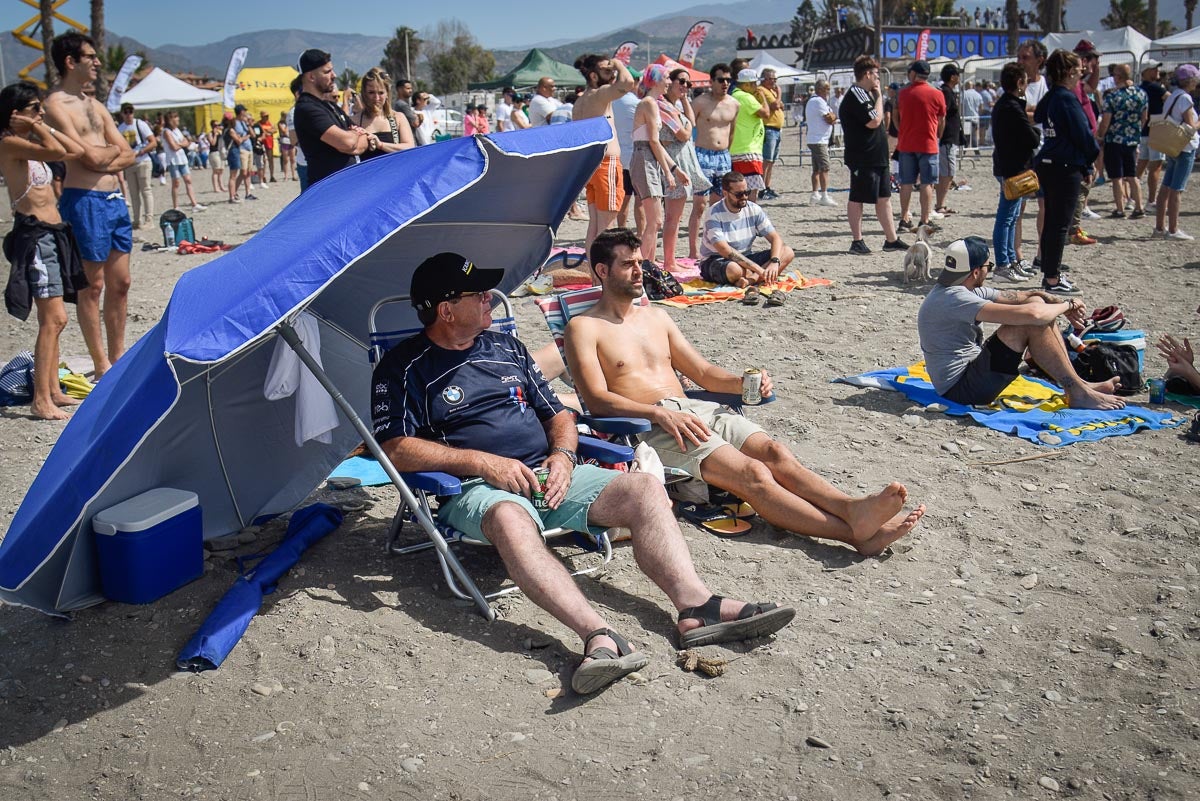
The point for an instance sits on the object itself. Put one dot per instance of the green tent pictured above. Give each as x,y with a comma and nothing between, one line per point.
537,65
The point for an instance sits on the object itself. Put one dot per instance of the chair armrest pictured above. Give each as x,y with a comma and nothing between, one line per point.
616,425
437,483
726,399
601,451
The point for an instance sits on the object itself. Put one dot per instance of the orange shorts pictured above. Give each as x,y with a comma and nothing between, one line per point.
606,188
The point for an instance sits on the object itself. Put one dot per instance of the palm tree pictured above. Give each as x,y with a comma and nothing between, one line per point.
348,79
1013,11
46,10
114,57
1189,8
101,82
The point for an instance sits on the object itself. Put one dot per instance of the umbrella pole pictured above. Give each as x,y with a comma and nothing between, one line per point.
293,340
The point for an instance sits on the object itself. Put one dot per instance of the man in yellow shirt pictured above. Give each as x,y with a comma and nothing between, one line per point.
768,95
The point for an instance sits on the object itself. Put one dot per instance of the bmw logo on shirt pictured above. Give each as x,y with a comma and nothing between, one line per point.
453,395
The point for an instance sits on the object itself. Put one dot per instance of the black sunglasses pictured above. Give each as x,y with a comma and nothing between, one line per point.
683,82
745,193
722,80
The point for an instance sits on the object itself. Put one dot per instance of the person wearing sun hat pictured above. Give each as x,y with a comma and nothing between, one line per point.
470,402
1180,107
964,367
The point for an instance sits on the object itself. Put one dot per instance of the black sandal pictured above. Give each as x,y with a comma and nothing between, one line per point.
755,620
606,667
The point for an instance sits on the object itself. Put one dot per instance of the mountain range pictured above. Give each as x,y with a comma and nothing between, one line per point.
661,34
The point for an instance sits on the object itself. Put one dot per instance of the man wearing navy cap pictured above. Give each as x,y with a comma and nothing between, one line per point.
327,138
921,112
464,400
967,369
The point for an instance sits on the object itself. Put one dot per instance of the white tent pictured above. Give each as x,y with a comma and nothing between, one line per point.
1122,46
765,60
160,89
1178,47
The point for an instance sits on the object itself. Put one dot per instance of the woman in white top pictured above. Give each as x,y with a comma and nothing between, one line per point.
175,149
1179,107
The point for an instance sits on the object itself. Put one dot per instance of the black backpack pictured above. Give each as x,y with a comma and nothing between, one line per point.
1100,361
658,283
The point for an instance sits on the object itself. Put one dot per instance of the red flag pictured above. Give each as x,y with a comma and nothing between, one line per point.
923,44
749,34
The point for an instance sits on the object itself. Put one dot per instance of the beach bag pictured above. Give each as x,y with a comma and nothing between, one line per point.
16,380
1167,136
1100,361
181,225
658,283
1021,185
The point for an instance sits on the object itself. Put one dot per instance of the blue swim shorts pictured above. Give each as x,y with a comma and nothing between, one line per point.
714,164
100,221
466,510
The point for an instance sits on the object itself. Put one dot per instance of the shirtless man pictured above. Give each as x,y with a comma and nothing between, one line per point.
623,358
607,80
716,112
91,200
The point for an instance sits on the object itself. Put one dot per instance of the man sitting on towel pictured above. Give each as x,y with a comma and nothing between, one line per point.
463,400
623,358
730,227
967,369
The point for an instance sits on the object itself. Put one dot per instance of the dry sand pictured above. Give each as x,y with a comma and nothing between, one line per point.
1036,636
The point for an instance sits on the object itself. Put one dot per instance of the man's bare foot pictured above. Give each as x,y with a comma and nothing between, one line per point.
891,531
61,399
48,411
1084,397
866,515
1108,387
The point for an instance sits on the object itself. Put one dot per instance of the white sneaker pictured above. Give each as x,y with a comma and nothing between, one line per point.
1157,232
815,200
934,214
1128,205
1180,235
826,200
1088,214
1150,207
199,207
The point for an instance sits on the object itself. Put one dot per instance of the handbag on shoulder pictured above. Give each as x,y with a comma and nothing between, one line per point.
1167,136
1021,185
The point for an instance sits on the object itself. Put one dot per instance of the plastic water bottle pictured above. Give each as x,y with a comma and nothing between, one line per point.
169,234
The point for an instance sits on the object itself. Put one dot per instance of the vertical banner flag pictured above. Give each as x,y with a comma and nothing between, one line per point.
231,75
121,83
692,41
923,44
624,52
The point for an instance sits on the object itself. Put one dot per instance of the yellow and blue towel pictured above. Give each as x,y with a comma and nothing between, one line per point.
1028,408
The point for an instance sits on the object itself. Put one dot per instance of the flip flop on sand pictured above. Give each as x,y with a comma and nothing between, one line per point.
755,620
751,296
776,298
606,667
720,520
732,503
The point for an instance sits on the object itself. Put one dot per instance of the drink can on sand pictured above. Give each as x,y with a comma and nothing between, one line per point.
751,386
1158,390
539,494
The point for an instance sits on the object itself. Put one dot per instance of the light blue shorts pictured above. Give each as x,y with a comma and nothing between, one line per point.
924,163
179,170
1178,170
466,510
771,141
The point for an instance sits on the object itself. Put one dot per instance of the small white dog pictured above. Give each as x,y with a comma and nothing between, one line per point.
919,258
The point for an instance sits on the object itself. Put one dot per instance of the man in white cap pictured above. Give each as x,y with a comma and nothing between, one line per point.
473,403
965,368
749,131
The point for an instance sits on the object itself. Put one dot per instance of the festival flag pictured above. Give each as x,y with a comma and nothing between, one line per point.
692,41
923,44
121,83
231,75
749,34
624,52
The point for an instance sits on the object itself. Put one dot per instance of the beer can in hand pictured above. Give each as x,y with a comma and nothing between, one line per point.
752,386
539,494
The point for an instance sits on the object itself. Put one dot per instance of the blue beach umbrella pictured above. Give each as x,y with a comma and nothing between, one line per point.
185,407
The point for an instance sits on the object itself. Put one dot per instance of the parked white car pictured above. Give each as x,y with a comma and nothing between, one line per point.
447,121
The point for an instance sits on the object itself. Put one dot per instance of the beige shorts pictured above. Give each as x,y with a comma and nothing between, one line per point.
727,427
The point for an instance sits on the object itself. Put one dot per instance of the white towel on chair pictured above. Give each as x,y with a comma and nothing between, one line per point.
316,414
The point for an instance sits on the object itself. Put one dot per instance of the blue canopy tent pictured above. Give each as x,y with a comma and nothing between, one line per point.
185,407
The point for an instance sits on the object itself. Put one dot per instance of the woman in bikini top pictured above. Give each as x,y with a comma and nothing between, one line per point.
26,144
376,117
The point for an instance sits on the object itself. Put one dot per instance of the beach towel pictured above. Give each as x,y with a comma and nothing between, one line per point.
1029,408
364,468
698,292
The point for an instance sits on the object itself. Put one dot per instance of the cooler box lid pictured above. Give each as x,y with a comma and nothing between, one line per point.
144,511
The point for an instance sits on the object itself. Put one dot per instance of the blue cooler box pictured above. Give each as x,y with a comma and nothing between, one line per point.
1130,336
149,545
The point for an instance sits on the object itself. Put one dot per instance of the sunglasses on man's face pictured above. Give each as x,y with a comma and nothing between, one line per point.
722,80
745,193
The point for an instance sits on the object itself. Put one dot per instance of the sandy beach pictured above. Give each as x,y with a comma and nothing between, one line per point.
1038,635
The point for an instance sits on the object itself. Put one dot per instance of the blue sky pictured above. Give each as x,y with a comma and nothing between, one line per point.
495,24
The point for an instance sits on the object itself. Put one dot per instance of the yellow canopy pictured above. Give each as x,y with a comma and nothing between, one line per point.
259,89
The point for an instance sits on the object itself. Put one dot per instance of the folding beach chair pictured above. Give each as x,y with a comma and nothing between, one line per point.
429,485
